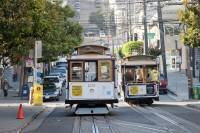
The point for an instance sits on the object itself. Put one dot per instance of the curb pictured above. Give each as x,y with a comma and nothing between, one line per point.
38,121
35,116
171,92
194,106
25,124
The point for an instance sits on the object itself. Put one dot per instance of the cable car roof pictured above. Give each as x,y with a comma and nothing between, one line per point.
91,49
139,57
90,57
105,48
139,60
139,63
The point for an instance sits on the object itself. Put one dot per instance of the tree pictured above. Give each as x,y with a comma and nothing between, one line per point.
154,51
63,35
191,19
23,22
131,48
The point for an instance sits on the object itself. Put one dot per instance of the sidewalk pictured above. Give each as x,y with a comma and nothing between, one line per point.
178,85
8,115
9,108
33,115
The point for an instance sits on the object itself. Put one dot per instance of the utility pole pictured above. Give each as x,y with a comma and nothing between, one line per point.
130,21
127,17
162,41
189,72
108,22
145,28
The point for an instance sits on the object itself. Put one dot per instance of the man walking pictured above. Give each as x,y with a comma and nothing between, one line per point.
5,87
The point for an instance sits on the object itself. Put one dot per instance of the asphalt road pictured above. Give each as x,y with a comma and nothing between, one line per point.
158,118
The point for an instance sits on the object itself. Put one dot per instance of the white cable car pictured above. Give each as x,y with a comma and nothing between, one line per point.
140,79
91,80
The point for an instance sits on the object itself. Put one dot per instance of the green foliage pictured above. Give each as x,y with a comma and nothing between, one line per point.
131,48
154,51
191,18
24,21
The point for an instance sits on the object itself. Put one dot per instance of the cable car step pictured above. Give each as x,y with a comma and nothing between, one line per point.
91,110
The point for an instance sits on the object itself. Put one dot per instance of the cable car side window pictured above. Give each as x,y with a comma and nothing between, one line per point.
105,70
76,71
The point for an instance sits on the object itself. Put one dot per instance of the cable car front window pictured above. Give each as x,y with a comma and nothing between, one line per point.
141,74
90,71
105,70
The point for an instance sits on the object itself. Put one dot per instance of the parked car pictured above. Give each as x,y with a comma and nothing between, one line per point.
50,91
163,84
61,76
61,63
54,80
59,70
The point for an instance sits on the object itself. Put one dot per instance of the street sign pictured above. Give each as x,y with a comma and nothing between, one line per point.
29,62
150,35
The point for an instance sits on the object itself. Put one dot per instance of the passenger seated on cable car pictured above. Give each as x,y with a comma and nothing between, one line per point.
139,77
154,74
130,75
148,77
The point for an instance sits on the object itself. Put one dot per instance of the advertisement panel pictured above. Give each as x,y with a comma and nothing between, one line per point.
94,90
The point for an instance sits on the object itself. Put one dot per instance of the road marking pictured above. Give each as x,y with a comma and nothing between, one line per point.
125,123
154,111
94,126
190,124
109,124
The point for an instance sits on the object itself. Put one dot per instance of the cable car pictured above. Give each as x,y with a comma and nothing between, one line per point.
91,80
140,79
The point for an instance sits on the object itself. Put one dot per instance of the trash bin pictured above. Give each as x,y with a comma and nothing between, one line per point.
196,91
25,91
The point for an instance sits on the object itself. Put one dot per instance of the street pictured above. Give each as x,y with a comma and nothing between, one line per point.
158,118
63,58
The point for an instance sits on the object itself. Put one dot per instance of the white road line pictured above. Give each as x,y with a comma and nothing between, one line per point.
179,119
140,126
168,119
143,111
109,124
95,128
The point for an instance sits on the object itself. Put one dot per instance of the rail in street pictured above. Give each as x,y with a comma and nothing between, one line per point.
158,118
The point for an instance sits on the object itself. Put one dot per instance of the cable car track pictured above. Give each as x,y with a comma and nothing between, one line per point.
94,124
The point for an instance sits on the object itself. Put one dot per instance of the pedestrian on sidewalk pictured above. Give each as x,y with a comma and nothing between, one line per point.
5,86
15,77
